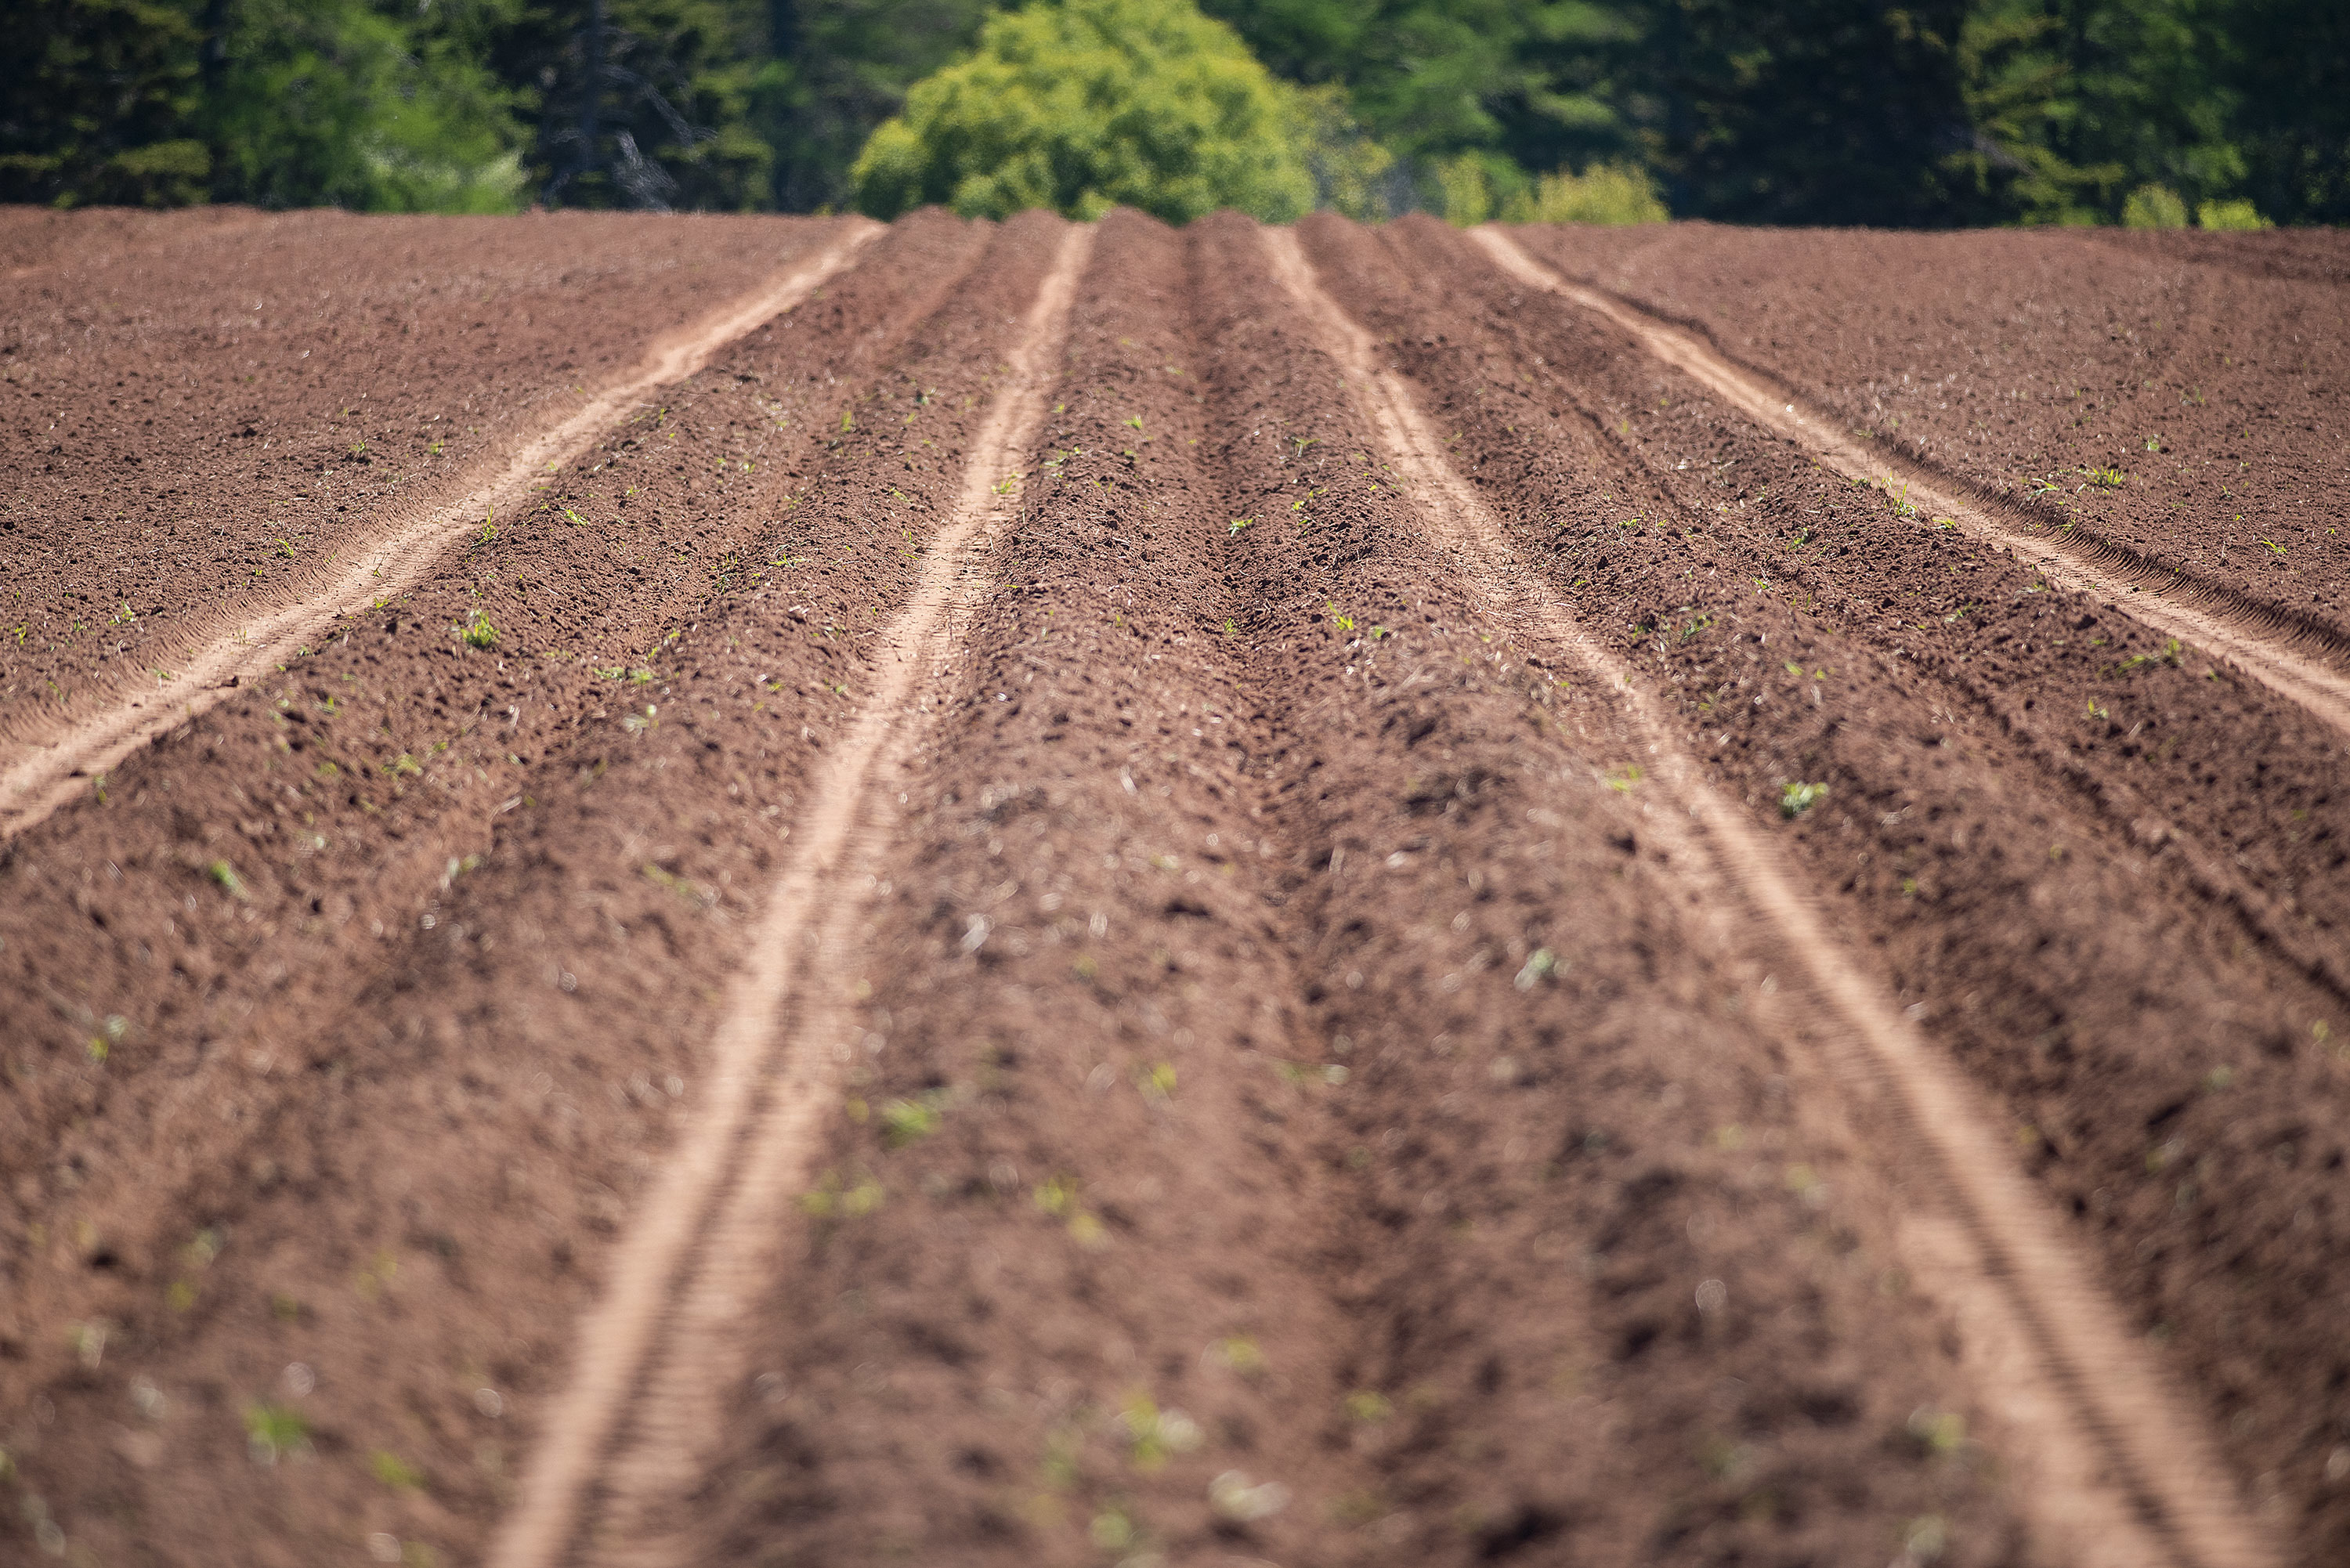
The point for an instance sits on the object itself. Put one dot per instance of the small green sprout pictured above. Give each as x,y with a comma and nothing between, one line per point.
1238,1355
1798,798
1239,525
394,1471
1541,964
1624,778
1156,1434
480,633
221,872
910,1121
1133,420
273,1432
2103,478
828,1200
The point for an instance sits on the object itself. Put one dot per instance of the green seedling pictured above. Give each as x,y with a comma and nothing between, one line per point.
394,1471
830,1201
1239,526
848,422
1238,1355
1624,778
1112,1530
273,1432
221,872
1368,1407
1341,621
1154,1435
910,1121
2103,478
2154,443
1134,421
1541,964
479,633
2274,547
1798,798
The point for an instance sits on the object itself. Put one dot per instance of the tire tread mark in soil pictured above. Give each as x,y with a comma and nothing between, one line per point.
43,779
734,1168
2234,626
2059,1365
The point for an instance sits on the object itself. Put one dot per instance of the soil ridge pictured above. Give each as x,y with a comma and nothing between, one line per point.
398,556
2174,1503
2256,634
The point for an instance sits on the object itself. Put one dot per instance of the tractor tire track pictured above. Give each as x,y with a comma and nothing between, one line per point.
53,770
2133,1484
672,1241
2233,626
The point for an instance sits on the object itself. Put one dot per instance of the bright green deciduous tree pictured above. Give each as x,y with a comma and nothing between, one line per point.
1084,105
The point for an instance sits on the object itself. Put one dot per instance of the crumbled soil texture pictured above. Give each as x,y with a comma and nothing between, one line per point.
2107,876
1217,1139
199,409
1298,1112
2185,397
408,959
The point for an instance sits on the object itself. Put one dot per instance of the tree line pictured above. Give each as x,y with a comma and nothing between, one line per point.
1930,113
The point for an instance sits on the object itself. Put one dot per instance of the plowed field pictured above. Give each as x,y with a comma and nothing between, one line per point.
767,891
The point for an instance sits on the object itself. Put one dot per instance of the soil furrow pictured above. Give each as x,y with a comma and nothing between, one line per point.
193,954
757,1082
2110,1406
2086,984
2171,395
425,1158
201,411
2300,658
1116,895
397,555
1053,1303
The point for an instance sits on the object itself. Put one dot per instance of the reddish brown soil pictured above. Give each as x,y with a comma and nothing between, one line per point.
199,411
2127,925
1296,1111
2209,373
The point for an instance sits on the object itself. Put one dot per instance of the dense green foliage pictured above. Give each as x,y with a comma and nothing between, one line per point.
1086,105
1915,112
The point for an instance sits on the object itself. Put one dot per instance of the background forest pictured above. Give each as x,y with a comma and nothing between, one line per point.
1934,114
